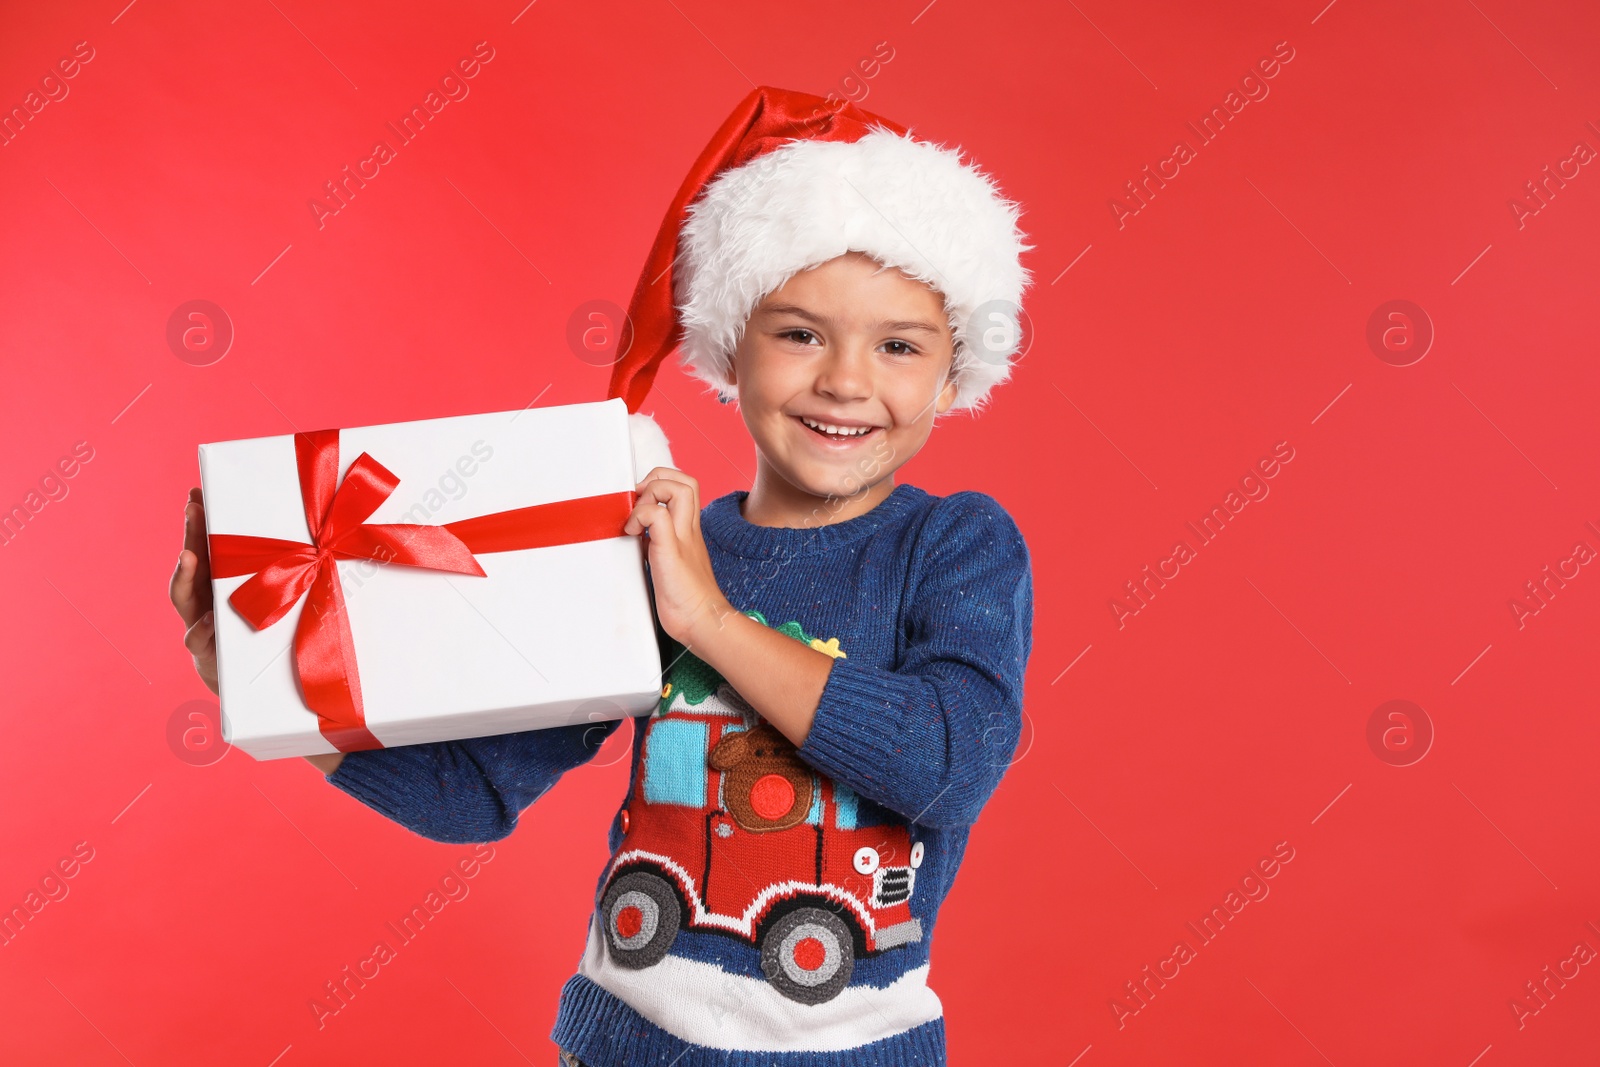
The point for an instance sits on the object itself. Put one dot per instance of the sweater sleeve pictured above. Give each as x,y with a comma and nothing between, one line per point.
475,789
469,790
931,739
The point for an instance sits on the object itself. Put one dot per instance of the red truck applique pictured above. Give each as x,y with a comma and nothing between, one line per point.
729,830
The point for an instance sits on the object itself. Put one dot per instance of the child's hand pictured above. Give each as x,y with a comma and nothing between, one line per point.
190,591
687,597
191,595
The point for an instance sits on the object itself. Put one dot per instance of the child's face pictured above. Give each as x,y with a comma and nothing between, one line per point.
850,345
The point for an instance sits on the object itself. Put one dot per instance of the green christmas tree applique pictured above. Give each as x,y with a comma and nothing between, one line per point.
694,679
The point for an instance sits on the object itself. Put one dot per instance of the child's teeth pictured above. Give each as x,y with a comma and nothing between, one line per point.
838,431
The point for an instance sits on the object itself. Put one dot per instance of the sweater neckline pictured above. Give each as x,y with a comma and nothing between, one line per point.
721,522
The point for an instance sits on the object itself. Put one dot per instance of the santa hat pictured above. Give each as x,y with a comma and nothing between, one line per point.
792,180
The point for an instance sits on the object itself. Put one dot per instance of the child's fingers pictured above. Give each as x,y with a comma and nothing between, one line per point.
201,638
194,533
656,513
681,498
648,514
672,474
190,587
181,589
178,587
196,541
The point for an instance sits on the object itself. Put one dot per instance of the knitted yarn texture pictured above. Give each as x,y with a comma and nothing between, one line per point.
767,904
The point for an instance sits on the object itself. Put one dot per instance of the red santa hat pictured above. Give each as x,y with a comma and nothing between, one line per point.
792,180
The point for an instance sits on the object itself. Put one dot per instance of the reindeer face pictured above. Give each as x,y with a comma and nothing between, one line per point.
765,784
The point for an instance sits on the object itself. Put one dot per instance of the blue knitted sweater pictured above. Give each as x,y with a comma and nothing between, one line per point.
766,904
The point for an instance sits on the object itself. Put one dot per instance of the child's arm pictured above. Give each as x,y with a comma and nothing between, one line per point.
453,791
930,739
469,790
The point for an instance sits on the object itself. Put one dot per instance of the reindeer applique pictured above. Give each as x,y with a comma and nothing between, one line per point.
766,785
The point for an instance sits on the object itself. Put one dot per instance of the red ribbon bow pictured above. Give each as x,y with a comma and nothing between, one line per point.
282,571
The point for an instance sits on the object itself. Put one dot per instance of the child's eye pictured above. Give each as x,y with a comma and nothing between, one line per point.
906,348
790,334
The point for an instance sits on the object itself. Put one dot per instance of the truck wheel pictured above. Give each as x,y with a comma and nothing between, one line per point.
641,915
808,955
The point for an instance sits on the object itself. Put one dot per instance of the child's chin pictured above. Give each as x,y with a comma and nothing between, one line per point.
828,483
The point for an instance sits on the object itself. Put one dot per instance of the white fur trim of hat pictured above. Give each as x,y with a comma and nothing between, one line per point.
907,203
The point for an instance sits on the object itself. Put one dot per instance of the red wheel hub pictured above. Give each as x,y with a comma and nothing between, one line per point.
630,920
810,953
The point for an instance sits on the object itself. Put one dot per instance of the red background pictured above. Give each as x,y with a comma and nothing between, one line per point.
1229,314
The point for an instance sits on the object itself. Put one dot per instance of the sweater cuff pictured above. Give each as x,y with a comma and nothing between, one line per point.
858,732
386,785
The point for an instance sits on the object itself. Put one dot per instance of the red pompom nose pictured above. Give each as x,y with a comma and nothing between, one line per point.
772,796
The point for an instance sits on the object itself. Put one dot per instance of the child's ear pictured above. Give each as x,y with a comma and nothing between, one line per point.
947,395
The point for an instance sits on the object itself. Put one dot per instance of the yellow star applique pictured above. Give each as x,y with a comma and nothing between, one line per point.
830,646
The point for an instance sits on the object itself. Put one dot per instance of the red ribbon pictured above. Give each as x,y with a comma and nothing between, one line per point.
283,571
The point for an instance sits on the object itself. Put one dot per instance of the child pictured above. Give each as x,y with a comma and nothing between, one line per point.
844,672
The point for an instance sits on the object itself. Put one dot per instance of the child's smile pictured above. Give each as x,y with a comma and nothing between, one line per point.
840,373
839,432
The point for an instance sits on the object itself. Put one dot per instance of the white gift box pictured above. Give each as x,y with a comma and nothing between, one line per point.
547,637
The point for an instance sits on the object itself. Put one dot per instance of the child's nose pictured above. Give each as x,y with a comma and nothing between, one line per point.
845,375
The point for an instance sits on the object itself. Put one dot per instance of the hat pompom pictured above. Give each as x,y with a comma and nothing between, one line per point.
649,444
